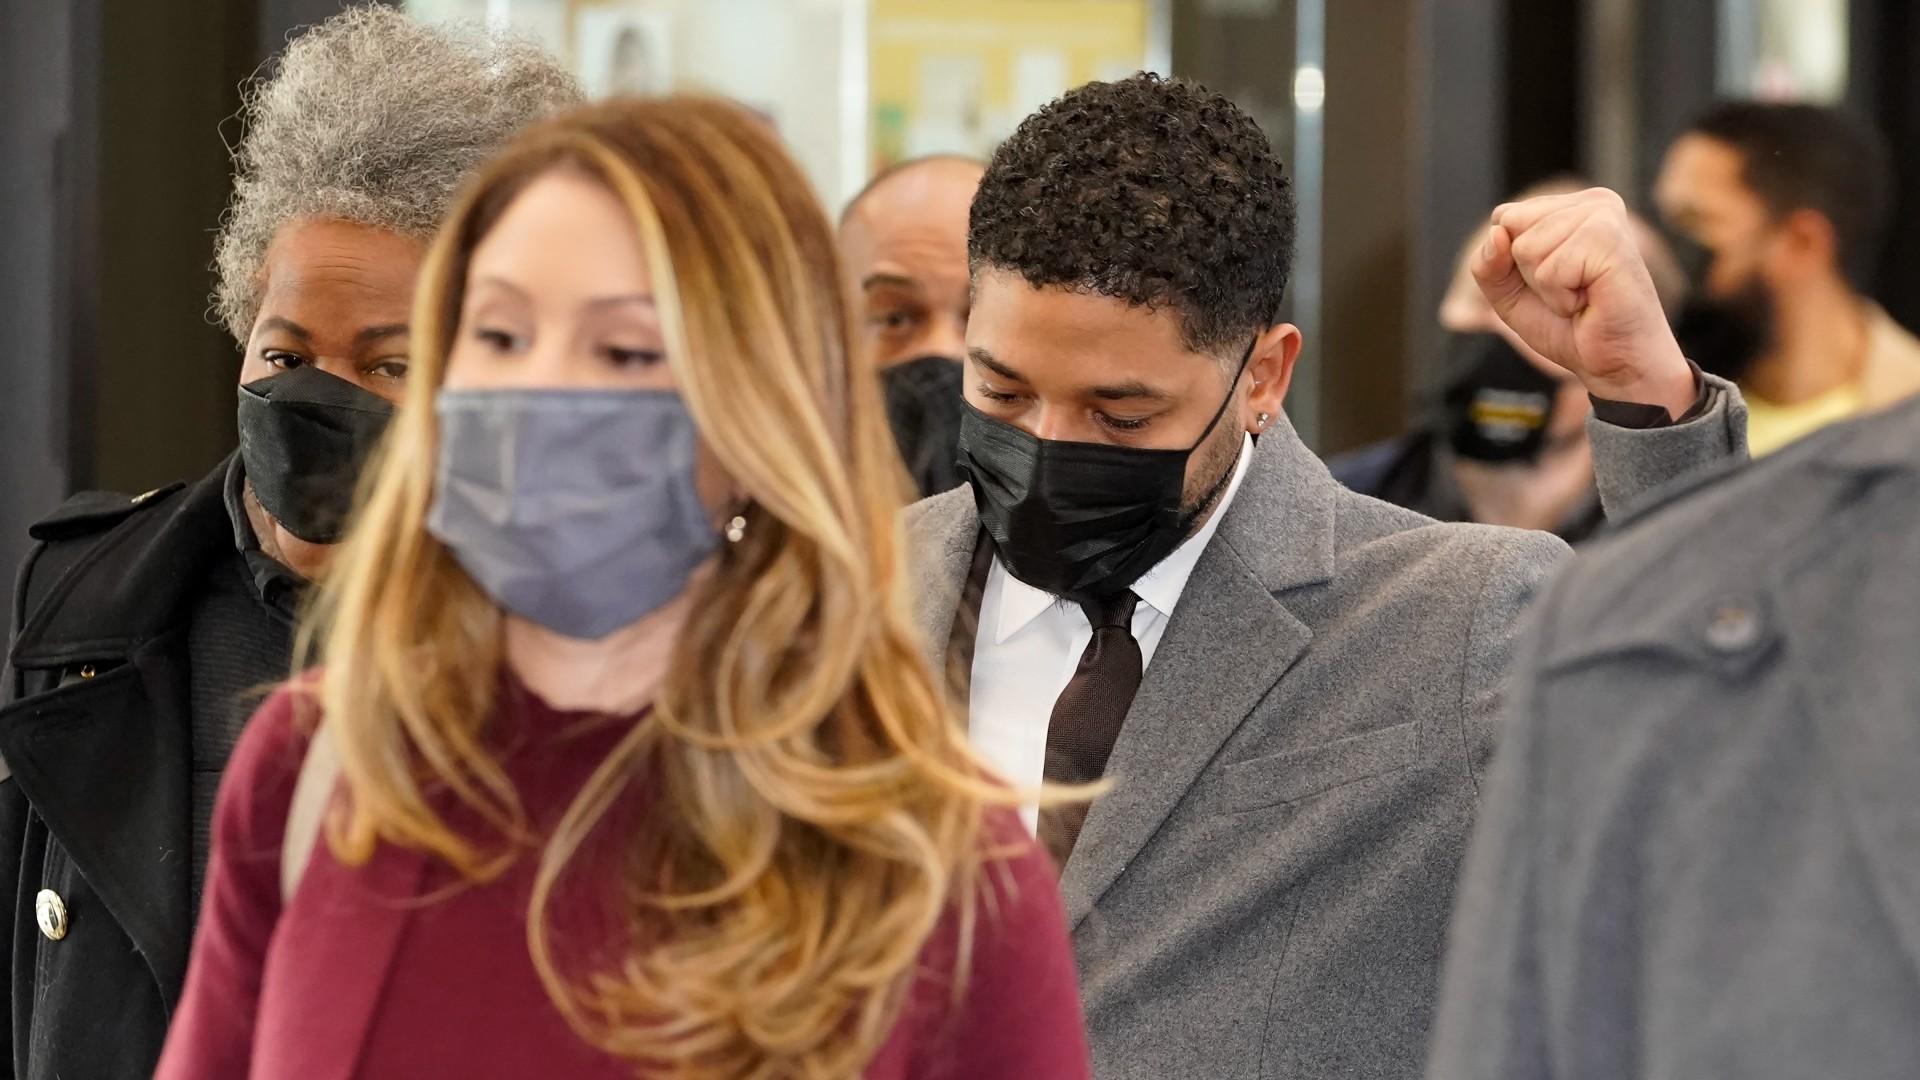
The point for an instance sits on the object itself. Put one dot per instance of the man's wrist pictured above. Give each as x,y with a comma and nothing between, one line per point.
1672,384
1641,408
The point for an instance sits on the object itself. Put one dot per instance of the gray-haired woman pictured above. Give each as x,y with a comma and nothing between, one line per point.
142,624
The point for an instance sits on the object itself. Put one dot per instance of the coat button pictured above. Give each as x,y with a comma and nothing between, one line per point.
1734,628
51,911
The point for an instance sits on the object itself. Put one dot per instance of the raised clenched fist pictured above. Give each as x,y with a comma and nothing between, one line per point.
1564,272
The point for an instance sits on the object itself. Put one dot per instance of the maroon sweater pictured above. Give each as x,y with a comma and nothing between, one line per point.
389,970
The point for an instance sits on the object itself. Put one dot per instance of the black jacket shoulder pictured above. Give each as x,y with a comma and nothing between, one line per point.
66,535
97,511
111,569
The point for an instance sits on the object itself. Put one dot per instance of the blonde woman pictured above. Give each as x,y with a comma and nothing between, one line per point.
640,771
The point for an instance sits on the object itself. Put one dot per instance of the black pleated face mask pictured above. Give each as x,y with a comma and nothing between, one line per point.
304,437
1080,520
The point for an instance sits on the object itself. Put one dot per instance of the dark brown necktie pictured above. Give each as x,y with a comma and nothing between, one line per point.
1088,713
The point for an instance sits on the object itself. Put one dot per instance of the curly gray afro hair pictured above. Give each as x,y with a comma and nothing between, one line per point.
374,118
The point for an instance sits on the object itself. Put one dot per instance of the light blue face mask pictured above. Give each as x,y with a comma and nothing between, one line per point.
575,509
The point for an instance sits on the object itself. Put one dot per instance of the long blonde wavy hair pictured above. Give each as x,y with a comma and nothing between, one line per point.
814,808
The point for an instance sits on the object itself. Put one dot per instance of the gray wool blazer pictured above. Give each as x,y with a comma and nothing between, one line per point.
1264,892
1700,850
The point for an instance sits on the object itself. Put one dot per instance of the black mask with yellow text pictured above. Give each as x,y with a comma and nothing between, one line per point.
1497,403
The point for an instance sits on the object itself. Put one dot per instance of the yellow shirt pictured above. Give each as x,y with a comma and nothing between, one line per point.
1770,426
1890,374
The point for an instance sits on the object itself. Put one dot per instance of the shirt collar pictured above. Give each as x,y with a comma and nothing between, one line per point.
1159,588
278,588
232,489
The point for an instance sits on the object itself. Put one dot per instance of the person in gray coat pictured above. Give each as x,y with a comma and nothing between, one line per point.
1699,850
1149,579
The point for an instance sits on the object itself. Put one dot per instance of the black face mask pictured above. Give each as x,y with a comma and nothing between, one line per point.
918,388
304,436
922,370
923,407
1080,520
1497,405
1723,334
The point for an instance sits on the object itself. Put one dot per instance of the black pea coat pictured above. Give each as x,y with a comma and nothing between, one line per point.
95,815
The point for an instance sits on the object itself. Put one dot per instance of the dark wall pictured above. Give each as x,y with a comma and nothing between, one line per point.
1370,224
1544,55
1885,86
46,162
160,377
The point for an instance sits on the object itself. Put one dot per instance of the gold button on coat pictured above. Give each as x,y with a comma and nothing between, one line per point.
51,911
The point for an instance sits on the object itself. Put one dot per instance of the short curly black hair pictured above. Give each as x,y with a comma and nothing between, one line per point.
1157,192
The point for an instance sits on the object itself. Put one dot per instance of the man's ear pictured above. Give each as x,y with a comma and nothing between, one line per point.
1270,369
1808,244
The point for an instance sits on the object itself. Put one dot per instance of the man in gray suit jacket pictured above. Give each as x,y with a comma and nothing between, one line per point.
1700,850
1149,578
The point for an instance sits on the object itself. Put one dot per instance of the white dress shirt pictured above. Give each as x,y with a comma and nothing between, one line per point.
1028,644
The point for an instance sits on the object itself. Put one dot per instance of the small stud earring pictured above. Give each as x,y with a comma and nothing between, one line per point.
1260,421
736,529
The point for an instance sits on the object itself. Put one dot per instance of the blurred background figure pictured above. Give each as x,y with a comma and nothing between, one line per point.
1503,439
904,241
644,770
155,620
1781,212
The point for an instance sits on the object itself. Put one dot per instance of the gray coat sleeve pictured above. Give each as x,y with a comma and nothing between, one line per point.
1491,1020
1630,463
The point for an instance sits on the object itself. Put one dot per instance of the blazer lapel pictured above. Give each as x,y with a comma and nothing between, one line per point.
1228,643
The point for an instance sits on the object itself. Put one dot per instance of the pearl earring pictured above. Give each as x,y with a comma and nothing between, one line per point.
736,529
1260,421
